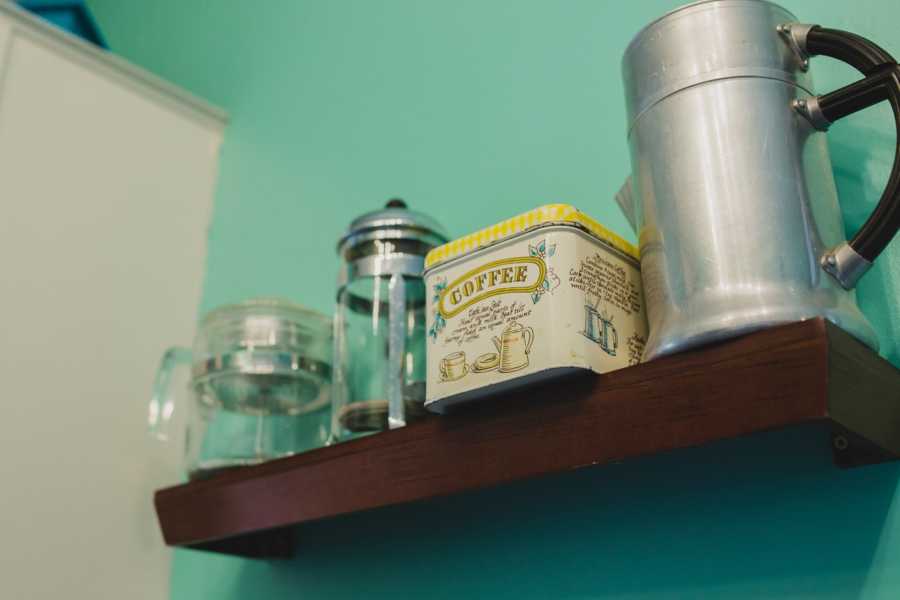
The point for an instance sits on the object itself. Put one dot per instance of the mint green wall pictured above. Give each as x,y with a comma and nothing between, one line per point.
474,110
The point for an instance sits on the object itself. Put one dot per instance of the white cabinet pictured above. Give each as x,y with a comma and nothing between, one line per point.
106,181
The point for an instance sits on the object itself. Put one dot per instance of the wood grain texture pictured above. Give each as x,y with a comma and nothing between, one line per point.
763,381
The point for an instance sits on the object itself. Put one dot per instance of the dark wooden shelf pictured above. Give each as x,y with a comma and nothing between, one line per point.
787,376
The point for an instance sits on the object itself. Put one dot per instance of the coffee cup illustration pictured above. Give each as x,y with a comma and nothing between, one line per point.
453,366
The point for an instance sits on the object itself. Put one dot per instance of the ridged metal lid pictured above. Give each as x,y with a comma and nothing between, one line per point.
393,222
705,41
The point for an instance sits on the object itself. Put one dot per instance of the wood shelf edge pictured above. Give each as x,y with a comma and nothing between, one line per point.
784,377
863,402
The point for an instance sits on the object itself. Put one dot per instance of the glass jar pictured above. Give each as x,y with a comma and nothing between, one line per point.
259,386
379,323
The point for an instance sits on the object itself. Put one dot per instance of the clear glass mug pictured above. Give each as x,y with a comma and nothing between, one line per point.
258,389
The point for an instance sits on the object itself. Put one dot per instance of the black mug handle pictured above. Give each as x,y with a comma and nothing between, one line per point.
849,261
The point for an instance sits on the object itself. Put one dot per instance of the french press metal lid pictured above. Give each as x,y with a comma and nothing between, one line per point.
392,240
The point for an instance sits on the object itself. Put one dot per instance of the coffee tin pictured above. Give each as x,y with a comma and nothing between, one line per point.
546,293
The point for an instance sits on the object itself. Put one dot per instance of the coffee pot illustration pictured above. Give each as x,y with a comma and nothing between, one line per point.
514,345
599,328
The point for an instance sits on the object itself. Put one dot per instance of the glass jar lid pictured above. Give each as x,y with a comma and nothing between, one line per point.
394,229
261,325
272,323
265,355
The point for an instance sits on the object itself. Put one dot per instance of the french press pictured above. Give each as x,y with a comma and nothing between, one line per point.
379,322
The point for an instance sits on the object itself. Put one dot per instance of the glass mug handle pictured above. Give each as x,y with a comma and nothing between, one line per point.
162,403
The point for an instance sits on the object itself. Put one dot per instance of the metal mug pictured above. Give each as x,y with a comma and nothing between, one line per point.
732,193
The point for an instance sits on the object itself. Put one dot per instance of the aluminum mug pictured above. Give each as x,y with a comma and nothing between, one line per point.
732,193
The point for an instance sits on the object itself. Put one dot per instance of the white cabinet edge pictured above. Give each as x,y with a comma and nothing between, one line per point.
73,47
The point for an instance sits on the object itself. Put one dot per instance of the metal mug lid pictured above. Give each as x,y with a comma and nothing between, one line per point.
706,41
393,222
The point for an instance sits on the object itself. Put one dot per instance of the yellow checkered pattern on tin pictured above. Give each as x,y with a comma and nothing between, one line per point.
549,213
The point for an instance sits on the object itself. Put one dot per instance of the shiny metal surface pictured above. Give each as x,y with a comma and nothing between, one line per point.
845,265
396,350
734,199
810,109
704,42
795,35
381,264
392,223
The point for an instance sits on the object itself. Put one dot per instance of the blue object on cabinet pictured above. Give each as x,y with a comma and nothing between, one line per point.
71,15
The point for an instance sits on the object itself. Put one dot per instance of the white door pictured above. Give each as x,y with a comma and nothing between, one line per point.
106,180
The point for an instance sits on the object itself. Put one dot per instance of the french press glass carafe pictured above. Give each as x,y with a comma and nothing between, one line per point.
379,335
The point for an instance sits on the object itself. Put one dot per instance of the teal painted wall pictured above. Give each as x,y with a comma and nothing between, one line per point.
473,111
